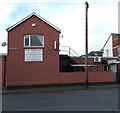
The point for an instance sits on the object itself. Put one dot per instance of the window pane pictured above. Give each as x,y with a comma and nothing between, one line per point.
26,40
37,40
105,68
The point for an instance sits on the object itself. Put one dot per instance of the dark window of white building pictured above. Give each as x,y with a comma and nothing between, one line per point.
105,68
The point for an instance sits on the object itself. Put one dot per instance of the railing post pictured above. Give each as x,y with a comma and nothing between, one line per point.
69,51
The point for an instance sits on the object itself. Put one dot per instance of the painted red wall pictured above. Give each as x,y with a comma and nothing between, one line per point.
18,71
98,67
79,77
101,77
1,71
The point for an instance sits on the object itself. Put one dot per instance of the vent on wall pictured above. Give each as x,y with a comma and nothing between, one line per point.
97,59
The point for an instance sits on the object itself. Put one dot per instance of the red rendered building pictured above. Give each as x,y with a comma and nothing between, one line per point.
33,57
33,53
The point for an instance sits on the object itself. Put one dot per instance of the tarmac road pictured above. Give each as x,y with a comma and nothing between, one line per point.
76,100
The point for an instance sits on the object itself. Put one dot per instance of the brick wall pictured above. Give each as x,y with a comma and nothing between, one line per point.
116,44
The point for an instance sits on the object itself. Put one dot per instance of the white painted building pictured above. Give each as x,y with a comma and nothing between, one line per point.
107,48
110,48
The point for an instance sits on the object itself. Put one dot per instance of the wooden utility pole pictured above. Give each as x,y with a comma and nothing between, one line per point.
86,42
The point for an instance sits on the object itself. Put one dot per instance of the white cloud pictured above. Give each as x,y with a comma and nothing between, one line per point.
102,21
70,19
72,26
5,20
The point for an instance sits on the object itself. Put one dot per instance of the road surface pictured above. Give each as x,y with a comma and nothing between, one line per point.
77,100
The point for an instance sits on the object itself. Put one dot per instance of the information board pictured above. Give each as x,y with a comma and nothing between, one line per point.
33,55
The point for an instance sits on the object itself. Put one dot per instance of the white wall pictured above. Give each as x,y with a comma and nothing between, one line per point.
108,52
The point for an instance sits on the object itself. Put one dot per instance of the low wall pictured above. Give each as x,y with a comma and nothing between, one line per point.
2,66
1,70
69,77
79,77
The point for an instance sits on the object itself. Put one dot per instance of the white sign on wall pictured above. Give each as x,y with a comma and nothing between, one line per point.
33,55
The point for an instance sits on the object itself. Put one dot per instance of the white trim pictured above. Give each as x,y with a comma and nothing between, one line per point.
55,45
29,41
110,62
115,39
82,65
24,19
13,48
116,47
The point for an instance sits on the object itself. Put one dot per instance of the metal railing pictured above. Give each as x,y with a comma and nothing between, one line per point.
66,50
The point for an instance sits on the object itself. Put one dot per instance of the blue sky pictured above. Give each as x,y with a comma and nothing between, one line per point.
69,16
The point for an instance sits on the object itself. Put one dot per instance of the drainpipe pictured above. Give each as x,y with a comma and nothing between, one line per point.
5,78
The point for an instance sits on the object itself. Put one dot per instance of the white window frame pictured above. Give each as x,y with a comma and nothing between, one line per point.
30,41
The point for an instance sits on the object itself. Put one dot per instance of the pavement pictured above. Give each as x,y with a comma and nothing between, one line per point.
37,89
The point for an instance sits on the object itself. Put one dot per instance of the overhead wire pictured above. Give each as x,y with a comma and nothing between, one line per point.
59,3
95,27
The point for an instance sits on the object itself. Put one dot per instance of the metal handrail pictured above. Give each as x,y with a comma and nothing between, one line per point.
71,52
74,52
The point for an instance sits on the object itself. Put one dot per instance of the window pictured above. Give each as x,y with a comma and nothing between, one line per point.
34,40
107,51
105,68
